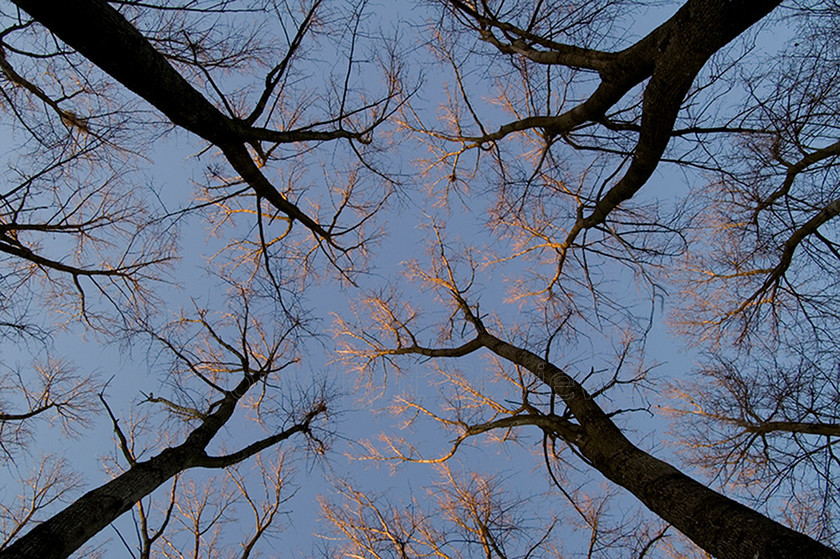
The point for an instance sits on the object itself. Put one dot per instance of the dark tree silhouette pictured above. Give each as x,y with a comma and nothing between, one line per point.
556,174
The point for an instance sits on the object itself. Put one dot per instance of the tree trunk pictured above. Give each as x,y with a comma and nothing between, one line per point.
68,530
721,526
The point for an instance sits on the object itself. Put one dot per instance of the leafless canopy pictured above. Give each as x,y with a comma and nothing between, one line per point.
584,170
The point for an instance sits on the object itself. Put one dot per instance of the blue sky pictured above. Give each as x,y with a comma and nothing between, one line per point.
172,168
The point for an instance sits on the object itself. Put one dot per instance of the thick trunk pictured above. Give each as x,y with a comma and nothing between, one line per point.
721,526
102,35
68,530
673,55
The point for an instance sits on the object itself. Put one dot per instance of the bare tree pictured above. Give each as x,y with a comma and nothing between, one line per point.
716,523
555,174
593,116
75,222
105,37
233,358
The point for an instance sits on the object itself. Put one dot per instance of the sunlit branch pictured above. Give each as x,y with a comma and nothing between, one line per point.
184,411
595,436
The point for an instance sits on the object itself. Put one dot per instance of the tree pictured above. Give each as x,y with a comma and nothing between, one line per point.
661,98
561,190
229,373
80,127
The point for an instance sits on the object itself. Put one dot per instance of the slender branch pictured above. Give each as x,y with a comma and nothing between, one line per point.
556,53
252,449
805,428
795,169
126,450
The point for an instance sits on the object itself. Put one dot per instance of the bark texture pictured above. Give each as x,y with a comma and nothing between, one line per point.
102,35
721,526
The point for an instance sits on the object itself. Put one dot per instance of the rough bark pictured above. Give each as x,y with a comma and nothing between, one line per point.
721,526
67,531
102,35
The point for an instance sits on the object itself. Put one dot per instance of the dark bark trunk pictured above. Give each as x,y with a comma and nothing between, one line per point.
721,526
672,55
102,35
68,530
